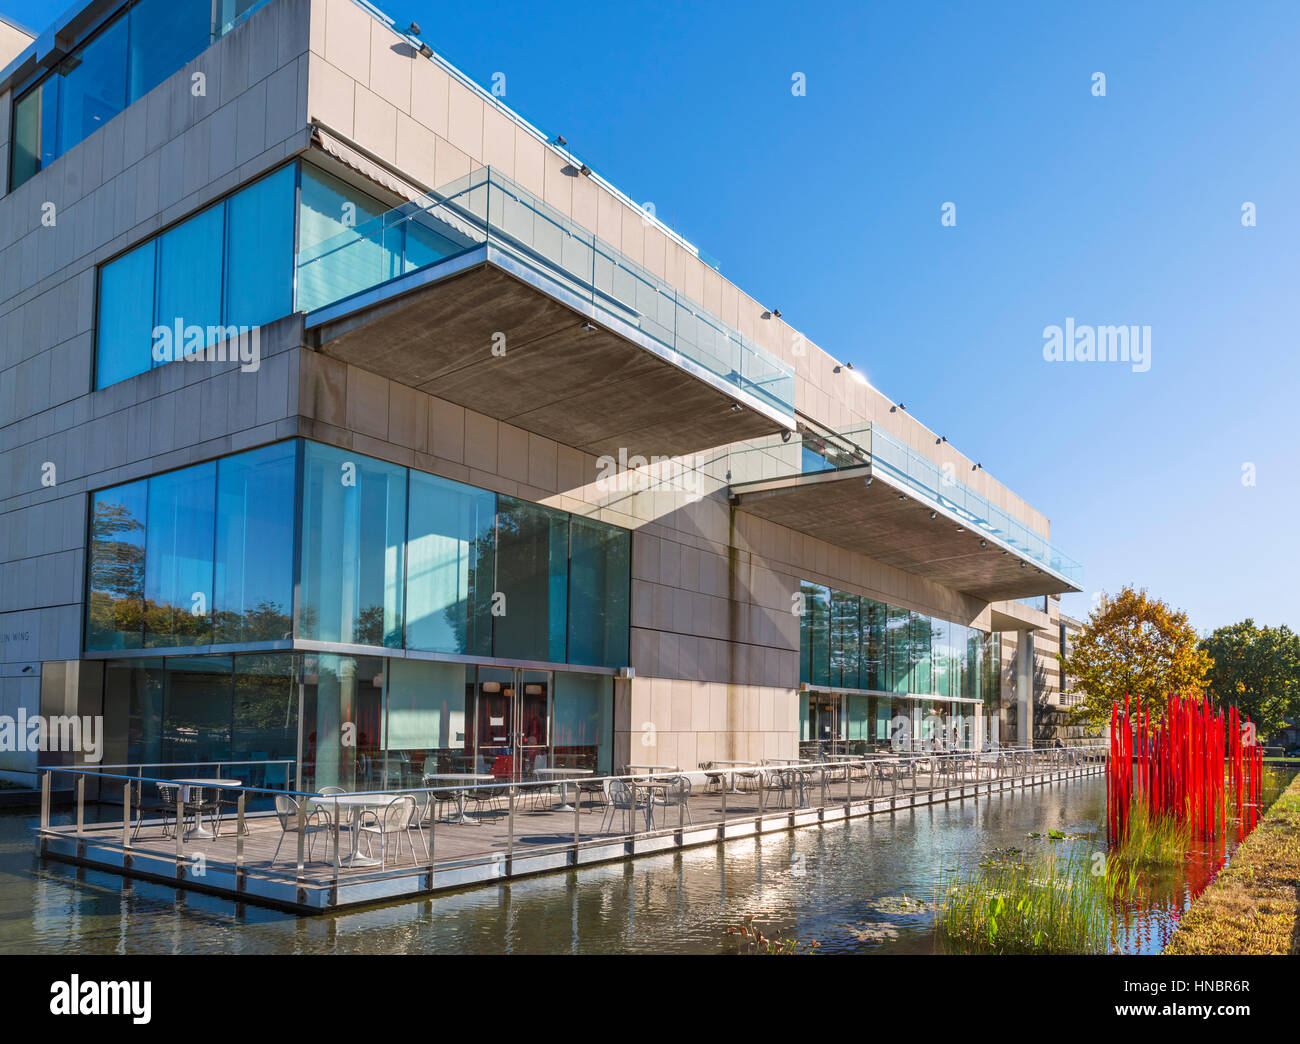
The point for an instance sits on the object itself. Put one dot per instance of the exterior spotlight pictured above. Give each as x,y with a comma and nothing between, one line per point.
559,140
977,467
585,171
776,312
735,407
588,326
426,50
1022,565
983,544
901,497
785,435
1004,552
933,515
870,479
413,29
960,529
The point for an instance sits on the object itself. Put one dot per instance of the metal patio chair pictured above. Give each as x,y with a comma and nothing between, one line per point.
286,811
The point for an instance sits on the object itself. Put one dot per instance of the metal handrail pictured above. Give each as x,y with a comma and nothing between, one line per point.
875,774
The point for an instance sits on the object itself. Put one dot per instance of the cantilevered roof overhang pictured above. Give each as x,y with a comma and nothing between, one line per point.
865,509
563,370
482,294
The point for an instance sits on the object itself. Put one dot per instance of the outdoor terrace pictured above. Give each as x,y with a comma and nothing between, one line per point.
310,857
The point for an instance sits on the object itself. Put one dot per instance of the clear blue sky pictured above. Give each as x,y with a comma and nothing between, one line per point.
1122,209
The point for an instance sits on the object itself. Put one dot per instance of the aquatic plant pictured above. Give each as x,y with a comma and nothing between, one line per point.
751,940
1052,902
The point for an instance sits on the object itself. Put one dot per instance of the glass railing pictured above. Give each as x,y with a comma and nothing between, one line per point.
808,453
486,208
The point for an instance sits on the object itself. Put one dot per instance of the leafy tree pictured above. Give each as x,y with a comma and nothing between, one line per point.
1258,669
1134,645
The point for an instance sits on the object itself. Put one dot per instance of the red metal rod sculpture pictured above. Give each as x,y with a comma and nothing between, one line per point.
1185,765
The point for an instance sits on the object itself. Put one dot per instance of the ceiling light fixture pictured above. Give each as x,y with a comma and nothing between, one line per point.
933,515
983,544
588,326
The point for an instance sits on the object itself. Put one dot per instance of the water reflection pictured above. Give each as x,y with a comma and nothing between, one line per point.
865,887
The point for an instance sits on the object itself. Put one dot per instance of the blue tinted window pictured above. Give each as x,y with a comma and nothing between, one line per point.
532,578
353,531
449,566
189,276
93,88
126,294
115,567
165,35
254,545
36,130
599,570
259,251
178,557
341,247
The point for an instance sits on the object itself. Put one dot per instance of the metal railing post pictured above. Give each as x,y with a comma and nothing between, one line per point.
510,835
180,825
577,811
433,816
81,804
45,799
302,834
239,831
126,815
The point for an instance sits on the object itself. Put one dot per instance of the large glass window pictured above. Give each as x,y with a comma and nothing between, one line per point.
189,276
206,555
920,681
165,35
342,722
36,123
353,535
264,719
426,728
254,545
125,59
169,552
93,85
197,709
259,251
898,639
115,567
450,559
178,557
331,213
126,316
875,654
530,603
584,706
818,605
226,267
599,567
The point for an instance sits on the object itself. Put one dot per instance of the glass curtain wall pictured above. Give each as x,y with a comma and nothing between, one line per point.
173,553
119,64
187,709
933,667
224,269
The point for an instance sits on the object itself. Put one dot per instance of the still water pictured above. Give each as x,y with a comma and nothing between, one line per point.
852,888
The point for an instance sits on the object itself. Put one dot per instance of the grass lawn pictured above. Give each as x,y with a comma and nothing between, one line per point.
1252,905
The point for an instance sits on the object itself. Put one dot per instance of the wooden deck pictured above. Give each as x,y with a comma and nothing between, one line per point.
492,845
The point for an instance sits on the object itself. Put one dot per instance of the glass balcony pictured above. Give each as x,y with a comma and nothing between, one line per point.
485,209
808,453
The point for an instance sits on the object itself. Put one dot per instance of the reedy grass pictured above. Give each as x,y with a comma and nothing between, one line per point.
1043,903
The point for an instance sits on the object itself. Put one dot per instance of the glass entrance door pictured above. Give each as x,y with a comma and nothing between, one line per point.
826,722
512,722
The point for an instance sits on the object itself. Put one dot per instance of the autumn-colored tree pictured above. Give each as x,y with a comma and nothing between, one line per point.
1258,669
1134,645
